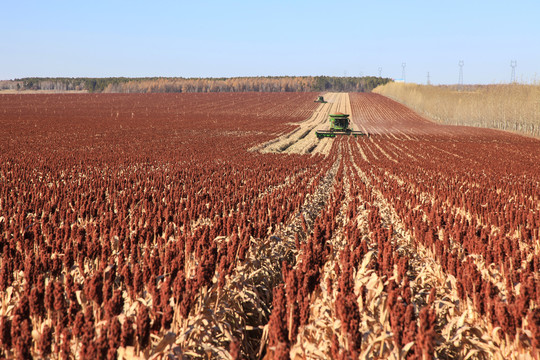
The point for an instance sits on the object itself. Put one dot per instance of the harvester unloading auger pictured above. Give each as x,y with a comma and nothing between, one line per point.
339,125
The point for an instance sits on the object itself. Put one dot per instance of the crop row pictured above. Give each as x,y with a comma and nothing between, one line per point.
427,224
126,221
111,206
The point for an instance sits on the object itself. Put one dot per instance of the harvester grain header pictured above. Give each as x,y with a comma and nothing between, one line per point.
339,125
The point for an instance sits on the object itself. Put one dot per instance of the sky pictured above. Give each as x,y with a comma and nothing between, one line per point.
272,38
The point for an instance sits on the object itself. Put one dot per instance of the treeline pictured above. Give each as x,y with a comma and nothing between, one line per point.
62,84
163,84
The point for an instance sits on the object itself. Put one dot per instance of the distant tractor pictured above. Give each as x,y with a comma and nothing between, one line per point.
320,99
339,125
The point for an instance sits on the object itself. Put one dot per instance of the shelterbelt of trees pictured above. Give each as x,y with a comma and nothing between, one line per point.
168,84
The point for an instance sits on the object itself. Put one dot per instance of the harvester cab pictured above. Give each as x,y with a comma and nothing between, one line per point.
339,125
320,99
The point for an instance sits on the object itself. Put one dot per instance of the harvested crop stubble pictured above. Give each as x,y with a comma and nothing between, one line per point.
303,140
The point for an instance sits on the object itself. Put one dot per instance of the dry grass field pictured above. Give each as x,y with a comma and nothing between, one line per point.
512,107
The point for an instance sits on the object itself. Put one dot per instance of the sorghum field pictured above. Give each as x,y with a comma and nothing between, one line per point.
155,226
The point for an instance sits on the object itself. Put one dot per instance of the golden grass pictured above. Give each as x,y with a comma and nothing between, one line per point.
511,107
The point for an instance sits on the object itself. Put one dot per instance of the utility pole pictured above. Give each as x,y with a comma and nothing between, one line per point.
428,82
513,65
403,71
380,71
460,81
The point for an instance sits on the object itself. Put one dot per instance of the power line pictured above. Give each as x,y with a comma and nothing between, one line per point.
513,65
403,71
428,82
380,71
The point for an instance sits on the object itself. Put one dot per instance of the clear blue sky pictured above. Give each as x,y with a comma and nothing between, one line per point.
260,38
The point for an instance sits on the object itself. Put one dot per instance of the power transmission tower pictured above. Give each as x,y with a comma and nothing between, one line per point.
380,71
513,65
460,81
403,71
428,82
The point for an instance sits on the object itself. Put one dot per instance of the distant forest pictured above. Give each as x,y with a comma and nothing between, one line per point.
170,85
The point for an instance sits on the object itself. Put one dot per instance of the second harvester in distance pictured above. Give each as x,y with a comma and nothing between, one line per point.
339,125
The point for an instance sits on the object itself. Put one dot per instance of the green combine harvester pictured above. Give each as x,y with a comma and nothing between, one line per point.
339,125
320,99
